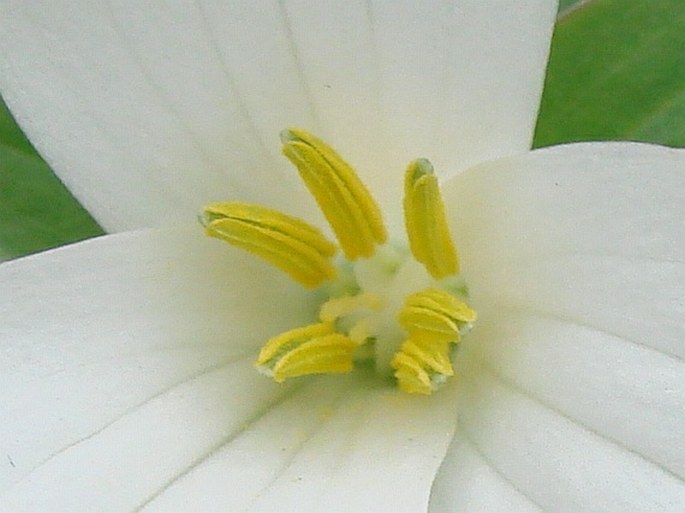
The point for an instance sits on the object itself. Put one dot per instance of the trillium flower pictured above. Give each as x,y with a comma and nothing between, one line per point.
126,377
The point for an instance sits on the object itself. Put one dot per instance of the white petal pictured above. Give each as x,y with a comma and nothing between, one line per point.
468,482
573,391
126,383
364,449
100,333
592,233
146,112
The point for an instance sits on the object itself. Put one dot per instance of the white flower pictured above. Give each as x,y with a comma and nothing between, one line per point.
126,379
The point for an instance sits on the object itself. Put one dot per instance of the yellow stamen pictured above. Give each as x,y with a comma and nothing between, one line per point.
363,330
434,320
435,315
314,349
421,366
426,224
433,355
281,344
337,307
358,327
356,322
411,377
290,244
344,200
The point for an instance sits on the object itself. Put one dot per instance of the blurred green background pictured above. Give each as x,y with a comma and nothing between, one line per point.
616,72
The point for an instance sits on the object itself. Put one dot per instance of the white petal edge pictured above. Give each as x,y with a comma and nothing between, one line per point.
573,389
146,112
127,385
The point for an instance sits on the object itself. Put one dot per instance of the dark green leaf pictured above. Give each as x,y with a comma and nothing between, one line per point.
36,210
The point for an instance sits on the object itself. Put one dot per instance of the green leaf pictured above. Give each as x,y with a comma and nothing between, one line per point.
616,72
565,5
36,210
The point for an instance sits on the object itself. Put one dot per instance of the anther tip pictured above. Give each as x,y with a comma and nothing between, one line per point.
422,166
203,219
289,135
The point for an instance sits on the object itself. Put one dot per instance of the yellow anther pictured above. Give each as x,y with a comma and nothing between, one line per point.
421,366
426,224
287,242
280,344
411,377
338,307
435,315
344,200
314,349
431,355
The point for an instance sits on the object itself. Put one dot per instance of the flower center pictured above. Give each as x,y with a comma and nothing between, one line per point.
398,309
